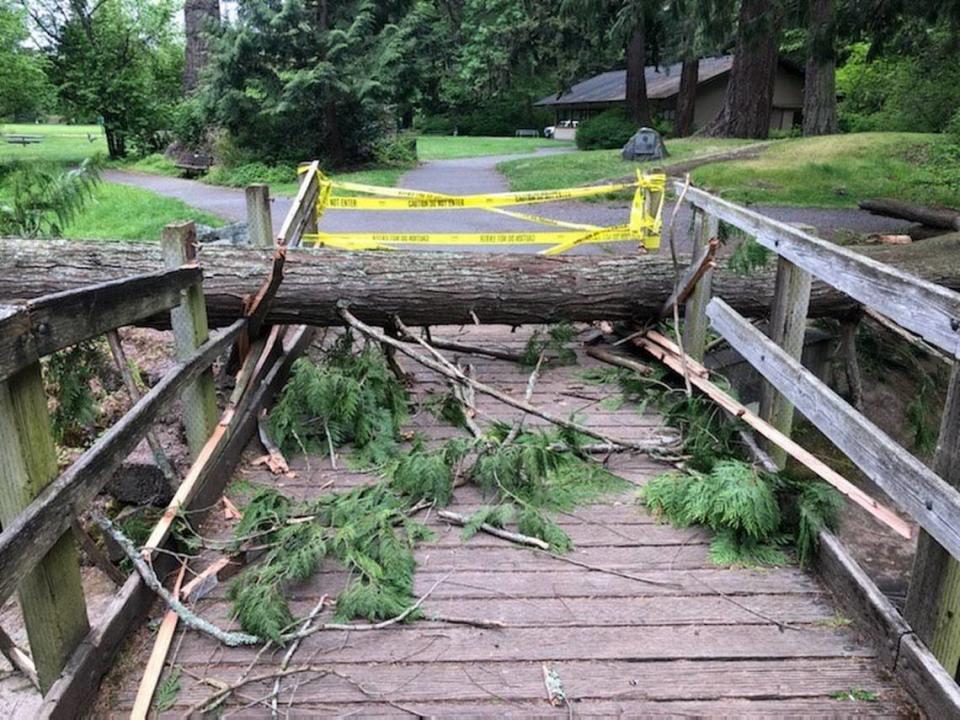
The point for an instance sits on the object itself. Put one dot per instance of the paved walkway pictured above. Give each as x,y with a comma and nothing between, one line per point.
479,175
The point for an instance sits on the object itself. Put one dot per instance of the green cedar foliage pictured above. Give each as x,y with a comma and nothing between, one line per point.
38,200
348,398
67,376
365,529
554,347
751,512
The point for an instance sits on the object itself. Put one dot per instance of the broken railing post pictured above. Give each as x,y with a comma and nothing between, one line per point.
51,595
259,217
788,325
189,321
695,323
934,593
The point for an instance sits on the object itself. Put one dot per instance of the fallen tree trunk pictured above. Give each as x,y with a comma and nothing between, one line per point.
944,218
436,288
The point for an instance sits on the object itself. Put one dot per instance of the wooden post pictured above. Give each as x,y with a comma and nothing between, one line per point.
933,598
51,595
200,416
788,325
259,218
695,324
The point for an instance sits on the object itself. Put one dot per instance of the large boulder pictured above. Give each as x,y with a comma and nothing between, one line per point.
646,144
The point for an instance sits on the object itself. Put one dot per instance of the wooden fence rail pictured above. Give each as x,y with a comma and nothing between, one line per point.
928,496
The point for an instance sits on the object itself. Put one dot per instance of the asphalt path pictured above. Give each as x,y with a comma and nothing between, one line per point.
479,175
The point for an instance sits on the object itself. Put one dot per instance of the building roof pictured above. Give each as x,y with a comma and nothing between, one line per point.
662,82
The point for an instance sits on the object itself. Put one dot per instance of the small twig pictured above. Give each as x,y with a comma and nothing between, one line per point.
474,622
528,393
520,539
333,455
778,623
219,696
610,571
290,652
453,346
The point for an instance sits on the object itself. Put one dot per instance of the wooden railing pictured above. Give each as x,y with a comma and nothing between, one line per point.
38,503
929,496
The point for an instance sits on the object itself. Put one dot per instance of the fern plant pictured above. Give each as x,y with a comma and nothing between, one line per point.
44,199
68,375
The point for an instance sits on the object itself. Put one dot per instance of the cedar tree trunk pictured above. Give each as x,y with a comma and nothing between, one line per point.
199,18
436,288
687,97
749,97
819,87
638,106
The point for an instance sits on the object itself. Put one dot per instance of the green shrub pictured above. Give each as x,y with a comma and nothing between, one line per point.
608,130
952,130
398,151
249,173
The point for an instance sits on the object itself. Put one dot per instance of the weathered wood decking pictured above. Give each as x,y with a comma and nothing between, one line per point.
715,642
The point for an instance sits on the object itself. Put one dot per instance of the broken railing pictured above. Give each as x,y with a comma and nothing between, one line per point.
929,496
39,503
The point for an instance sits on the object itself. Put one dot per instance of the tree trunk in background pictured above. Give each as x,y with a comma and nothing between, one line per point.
437,288
199,18
819,87
687,97
749,98
638,106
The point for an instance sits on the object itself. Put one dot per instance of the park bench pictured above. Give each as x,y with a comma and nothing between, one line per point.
23,139
194,165
526,133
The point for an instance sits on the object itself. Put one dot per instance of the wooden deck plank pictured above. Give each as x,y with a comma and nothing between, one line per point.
706,643
604,680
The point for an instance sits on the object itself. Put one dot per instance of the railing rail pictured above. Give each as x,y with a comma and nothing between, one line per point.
929,496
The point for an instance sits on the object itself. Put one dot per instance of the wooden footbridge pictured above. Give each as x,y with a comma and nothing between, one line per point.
634,622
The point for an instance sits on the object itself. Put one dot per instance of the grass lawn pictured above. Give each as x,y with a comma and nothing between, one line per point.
446,147
68,144
120,212
839,170
592,166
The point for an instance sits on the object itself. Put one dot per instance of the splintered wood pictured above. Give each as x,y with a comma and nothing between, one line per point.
513,631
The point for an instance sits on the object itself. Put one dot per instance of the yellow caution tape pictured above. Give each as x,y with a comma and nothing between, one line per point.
644,224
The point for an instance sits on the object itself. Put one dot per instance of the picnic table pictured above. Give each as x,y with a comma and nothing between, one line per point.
23,139
526,133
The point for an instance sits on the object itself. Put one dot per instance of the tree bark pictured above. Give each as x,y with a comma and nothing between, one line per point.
687,97
749,98
435,288
638,106
943,218
200,17
820,87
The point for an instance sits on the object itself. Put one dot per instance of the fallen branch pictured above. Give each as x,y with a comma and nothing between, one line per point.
943,218
189,618
274,459
446,369
528,393
612,358
454,346
219,696
473,622
290,652
514,537
666,352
